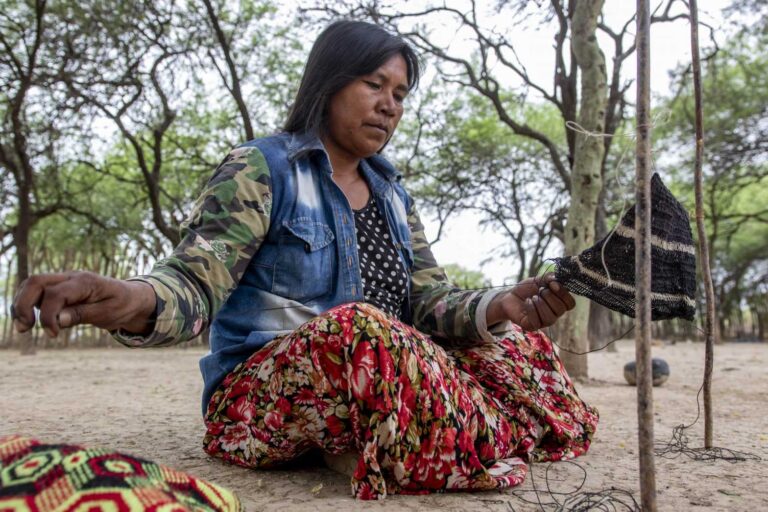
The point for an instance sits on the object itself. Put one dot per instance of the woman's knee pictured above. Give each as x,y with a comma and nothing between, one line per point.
353,335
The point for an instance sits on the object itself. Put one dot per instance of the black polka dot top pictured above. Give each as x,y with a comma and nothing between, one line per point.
384,277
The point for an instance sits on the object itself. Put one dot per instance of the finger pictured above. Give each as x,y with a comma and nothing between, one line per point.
94,314
526,289
547,316
29,295
56,298
563,294
534,322
554,302
546,279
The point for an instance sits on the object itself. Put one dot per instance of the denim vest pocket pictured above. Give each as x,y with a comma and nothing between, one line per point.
305,260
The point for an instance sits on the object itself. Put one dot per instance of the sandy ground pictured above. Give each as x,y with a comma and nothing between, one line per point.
146,402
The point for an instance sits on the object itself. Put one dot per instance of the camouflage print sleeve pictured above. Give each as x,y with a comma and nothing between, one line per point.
438,308
224,230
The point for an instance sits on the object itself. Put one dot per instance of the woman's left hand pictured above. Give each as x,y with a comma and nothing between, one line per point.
532,304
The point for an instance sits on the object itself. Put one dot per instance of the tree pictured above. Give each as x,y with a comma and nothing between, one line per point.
22,36
121,98
735,86
256,56
30,139
137,68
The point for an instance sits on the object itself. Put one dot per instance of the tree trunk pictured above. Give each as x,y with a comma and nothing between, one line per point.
599,316
8,331
586,179
21,241
600,332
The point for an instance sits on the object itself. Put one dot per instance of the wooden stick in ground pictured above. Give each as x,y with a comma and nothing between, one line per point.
643,262
710,326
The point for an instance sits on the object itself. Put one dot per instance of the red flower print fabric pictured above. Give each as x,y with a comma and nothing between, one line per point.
423,417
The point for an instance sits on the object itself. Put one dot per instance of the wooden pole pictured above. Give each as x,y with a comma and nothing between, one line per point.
643,262
710,327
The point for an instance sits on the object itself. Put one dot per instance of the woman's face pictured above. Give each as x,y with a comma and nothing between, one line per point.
364,114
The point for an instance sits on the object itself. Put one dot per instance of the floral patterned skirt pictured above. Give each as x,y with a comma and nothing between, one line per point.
424,418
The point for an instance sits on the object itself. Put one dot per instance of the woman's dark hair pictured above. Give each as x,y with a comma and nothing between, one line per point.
344,51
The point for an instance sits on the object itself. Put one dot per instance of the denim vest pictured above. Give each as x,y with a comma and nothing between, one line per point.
308,261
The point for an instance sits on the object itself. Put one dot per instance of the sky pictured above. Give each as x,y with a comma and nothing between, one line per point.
462,241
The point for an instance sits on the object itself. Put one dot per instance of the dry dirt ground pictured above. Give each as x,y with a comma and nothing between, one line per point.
146,402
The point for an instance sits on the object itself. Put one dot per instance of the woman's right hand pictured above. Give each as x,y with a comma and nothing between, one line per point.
73,298
532,304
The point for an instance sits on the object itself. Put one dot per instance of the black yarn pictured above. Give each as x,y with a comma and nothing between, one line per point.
550,499
605,273
678,445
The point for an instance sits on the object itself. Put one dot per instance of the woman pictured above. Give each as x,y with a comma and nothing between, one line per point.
331,324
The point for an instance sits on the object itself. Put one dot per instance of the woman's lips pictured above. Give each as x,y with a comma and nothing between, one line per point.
381,128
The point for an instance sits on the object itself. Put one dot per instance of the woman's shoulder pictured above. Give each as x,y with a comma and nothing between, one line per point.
246,162
271,144
262,155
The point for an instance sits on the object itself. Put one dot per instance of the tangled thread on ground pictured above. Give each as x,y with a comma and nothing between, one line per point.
678,445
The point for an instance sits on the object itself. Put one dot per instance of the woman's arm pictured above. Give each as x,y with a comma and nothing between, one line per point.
177,299
71,298
220,236
440,309
437,307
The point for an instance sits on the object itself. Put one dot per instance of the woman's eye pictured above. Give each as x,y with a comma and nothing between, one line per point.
399,98
373,85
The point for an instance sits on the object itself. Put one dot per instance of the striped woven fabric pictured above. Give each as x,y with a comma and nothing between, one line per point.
605,273
60,478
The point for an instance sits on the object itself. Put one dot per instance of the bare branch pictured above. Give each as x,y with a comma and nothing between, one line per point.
235,90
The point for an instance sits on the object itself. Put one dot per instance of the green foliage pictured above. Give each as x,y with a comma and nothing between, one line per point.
466,279
130,100
735,89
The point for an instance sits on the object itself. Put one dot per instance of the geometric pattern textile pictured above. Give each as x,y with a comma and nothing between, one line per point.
673,262
63,478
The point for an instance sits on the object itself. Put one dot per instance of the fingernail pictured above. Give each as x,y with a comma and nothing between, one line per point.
64,319
49,332
555,286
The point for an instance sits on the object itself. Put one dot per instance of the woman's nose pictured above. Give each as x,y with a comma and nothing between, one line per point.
387,104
